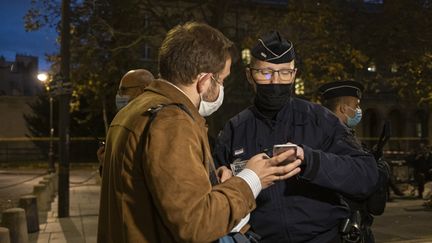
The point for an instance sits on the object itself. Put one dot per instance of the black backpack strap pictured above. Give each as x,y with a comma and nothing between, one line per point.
153,111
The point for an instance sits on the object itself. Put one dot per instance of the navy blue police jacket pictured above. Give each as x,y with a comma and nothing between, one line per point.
308,207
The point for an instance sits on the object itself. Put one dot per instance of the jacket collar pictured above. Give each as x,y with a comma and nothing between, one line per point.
281,116
176,95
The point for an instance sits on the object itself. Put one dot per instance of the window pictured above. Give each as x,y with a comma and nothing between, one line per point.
246,56
372,68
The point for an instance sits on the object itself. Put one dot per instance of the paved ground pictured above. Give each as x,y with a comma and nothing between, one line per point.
80,226
14,184
19,181
405,220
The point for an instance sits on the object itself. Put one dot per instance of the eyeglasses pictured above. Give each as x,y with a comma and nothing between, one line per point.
265,75
124,89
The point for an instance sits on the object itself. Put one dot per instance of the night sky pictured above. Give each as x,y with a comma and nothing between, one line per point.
14,39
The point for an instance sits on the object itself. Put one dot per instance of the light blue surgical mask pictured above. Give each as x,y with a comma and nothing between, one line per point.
353,121
121,101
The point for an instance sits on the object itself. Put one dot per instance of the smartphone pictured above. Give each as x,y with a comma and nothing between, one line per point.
280,148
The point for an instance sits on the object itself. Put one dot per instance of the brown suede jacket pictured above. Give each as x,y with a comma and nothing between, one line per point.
155,186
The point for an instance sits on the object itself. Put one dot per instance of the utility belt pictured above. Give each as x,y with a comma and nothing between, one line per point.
237,237
356,229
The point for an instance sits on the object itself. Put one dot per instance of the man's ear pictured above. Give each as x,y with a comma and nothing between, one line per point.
203,82
250,78
342,108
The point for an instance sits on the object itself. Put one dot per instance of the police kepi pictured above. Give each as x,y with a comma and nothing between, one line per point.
274,49
343,98
341,88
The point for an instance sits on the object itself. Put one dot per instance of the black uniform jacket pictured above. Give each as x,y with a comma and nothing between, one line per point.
306,208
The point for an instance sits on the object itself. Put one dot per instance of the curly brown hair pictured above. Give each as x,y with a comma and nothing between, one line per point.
191,49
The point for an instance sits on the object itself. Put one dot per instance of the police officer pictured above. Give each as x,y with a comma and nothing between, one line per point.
343,99
306,208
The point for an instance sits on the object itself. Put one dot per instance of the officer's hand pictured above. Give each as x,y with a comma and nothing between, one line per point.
268,169
300,152
224,173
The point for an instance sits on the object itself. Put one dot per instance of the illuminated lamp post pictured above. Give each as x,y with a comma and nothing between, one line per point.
45,79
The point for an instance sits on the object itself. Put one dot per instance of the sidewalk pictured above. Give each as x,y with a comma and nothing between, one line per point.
405,220
80,226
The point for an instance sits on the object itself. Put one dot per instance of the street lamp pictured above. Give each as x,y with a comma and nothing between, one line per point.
44,78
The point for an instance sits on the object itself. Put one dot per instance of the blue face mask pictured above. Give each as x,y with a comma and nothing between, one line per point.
121,101
353,121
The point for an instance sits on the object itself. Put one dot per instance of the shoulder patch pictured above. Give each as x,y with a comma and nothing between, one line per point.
238,151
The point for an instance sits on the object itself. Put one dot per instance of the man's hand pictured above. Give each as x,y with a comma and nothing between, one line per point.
268,169
100,154
224,173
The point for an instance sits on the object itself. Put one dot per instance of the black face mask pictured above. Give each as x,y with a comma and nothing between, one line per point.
270,98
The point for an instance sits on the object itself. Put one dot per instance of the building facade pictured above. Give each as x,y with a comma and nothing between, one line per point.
19,77
18,89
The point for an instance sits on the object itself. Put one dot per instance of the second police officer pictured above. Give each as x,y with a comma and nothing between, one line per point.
343,98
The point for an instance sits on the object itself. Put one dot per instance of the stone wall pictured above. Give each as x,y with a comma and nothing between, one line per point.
14,145
13,108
